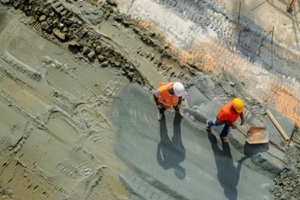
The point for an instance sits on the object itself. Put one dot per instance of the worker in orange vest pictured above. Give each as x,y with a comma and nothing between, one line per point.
227,115
168,95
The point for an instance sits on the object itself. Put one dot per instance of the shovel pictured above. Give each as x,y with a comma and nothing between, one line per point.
255,134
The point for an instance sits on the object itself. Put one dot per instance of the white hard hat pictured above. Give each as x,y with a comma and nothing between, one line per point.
178,89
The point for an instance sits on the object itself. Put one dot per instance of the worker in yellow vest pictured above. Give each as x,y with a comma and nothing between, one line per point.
168,95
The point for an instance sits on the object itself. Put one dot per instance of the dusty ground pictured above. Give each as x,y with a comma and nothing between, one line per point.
78,120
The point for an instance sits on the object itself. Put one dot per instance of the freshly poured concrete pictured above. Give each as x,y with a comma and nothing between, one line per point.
178,156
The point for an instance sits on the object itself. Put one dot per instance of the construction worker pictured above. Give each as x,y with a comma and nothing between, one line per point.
168,95
227,115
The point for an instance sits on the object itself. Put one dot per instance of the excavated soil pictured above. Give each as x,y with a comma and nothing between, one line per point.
78,120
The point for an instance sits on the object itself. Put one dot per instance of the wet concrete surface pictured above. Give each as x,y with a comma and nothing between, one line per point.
178,156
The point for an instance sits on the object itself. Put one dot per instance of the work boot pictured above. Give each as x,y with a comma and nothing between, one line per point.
224,139
208,128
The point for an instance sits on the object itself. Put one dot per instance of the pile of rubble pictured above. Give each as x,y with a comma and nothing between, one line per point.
56,22
287,182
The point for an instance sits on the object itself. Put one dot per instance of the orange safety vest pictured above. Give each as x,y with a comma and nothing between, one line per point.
227,114
166,100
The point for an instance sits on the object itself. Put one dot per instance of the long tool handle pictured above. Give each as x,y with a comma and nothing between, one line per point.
241,131
290,6
275,122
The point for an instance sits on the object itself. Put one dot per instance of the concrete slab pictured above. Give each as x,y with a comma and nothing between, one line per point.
197,101
177,157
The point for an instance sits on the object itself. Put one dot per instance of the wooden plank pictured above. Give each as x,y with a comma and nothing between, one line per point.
278,126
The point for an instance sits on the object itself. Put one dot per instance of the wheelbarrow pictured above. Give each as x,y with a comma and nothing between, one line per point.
255,134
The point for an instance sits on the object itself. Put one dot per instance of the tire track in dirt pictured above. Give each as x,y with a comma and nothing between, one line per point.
13,173
59,123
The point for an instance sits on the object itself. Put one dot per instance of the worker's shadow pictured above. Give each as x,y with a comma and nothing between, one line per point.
228,174
171,152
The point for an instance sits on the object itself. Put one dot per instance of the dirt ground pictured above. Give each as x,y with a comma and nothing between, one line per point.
78,119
